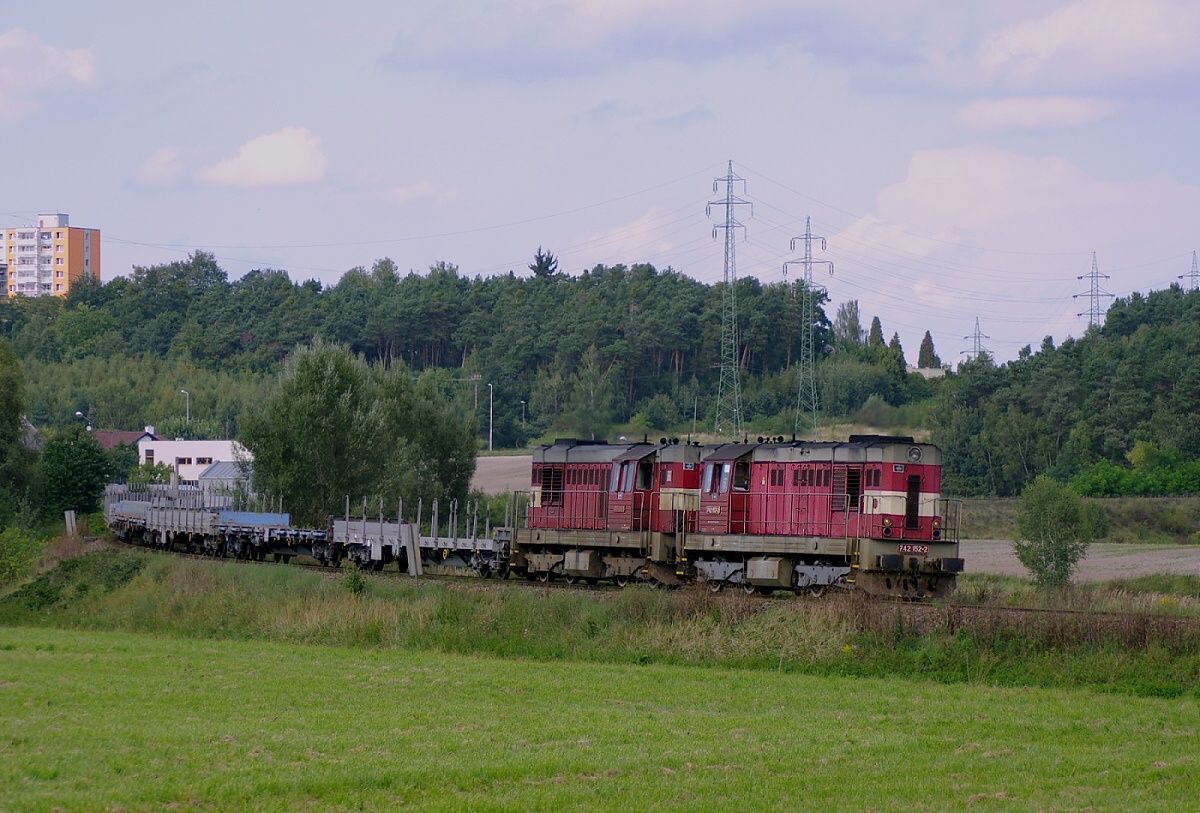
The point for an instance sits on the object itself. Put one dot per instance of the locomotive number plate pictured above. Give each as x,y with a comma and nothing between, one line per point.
712,509
914,549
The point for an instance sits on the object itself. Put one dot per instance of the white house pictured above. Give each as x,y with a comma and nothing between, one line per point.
190,457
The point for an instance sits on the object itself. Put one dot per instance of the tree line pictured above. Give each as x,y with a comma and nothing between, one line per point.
611,345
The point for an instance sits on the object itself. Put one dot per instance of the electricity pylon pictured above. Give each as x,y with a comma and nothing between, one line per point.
728,419
807,401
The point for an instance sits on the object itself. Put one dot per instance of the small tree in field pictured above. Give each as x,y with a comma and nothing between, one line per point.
1050,527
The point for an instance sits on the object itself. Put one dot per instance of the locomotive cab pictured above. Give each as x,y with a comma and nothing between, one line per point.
631,487
725,489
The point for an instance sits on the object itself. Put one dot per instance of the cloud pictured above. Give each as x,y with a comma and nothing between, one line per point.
420,192
1089,43
284,158
688,118
539,39
983,230
606,112
1032,112
29,67
162,168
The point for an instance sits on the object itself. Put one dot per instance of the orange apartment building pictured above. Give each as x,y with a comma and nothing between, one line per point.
47,259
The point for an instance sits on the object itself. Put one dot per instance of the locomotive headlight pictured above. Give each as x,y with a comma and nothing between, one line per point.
937,523
887,522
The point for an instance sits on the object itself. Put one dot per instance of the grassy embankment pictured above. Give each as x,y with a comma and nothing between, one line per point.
119,721
1130,519
141,592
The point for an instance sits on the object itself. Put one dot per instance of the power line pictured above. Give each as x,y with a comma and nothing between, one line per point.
1094,294
806,372
728,419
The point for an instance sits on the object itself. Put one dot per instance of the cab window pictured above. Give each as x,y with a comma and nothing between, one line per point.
707,485
726,473
645,474
614,482
627,477
741,475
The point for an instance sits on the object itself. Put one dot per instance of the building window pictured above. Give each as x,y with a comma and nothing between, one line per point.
203,460
58,234
183,461
58,286
149,457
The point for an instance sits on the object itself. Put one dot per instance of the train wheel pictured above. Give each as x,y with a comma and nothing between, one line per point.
621,581
715,585
543,576
817,590
749,589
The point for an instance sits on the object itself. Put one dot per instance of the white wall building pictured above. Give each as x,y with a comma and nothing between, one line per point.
190,457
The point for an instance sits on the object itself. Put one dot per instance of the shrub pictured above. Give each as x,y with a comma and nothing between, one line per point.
354,583
1050,529
18,551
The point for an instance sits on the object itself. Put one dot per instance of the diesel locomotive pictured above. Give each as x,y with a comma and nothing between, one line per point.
768,515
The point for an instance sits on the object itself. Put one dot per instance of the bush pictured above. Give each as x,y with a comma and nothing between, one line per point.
1050,528
354,584
18,551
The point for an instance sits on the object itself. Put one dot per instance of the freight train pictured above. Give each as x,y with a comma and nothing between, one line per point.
763,516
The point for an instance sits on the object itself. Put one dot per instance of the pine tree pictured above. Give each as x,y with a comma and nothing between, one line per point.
544,264
876,337
928,357
894,346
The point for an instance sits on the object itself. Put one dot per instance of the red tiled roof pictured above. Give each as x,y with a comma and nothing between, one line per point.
111,438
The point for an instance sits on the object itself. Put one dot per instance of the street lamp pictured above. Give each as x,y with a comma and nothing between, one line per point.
522,413
187,401
87,419
490,416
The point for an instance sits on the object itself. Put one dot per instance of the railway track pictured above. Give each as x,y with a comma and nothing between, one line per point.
947,611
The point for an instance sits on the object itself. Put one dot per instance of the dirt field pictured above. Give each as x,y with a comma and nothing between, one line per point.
1105,561
496,475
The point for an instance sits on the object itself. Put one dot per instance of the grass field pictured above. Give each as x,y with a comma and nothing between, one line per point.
132,722
1172,520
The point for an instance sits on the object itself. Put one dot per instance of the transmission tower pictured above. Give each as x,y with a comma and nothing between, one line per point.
807,403
977,348
1193,276
1094,313
729,391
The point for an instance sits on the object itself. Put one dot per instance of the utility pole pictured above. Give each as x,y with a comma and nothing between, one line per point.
490,416
187,400
1193,276
728,419
806,368
1094,313
977,348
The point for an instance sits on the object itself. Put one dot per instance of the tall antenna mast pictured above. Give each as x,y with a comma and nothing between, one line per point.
1193,276
807,403
1094,313
728,419
977,348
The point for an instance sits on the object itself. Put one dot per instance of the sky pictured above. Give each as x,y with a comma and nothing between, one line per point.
962,160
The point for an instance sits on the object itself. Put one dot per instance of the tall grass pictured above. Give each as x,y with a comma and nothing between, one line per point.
142,592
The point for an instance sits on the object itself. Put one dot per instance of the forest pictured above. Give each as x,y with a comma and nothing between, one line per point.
617,349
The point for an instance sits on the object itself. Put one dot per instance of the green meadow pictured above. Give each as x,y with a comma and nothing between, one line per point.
136,722
132,681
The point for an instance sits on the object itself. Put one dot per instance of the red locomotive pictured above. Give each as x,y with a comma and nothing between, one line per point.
769,515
